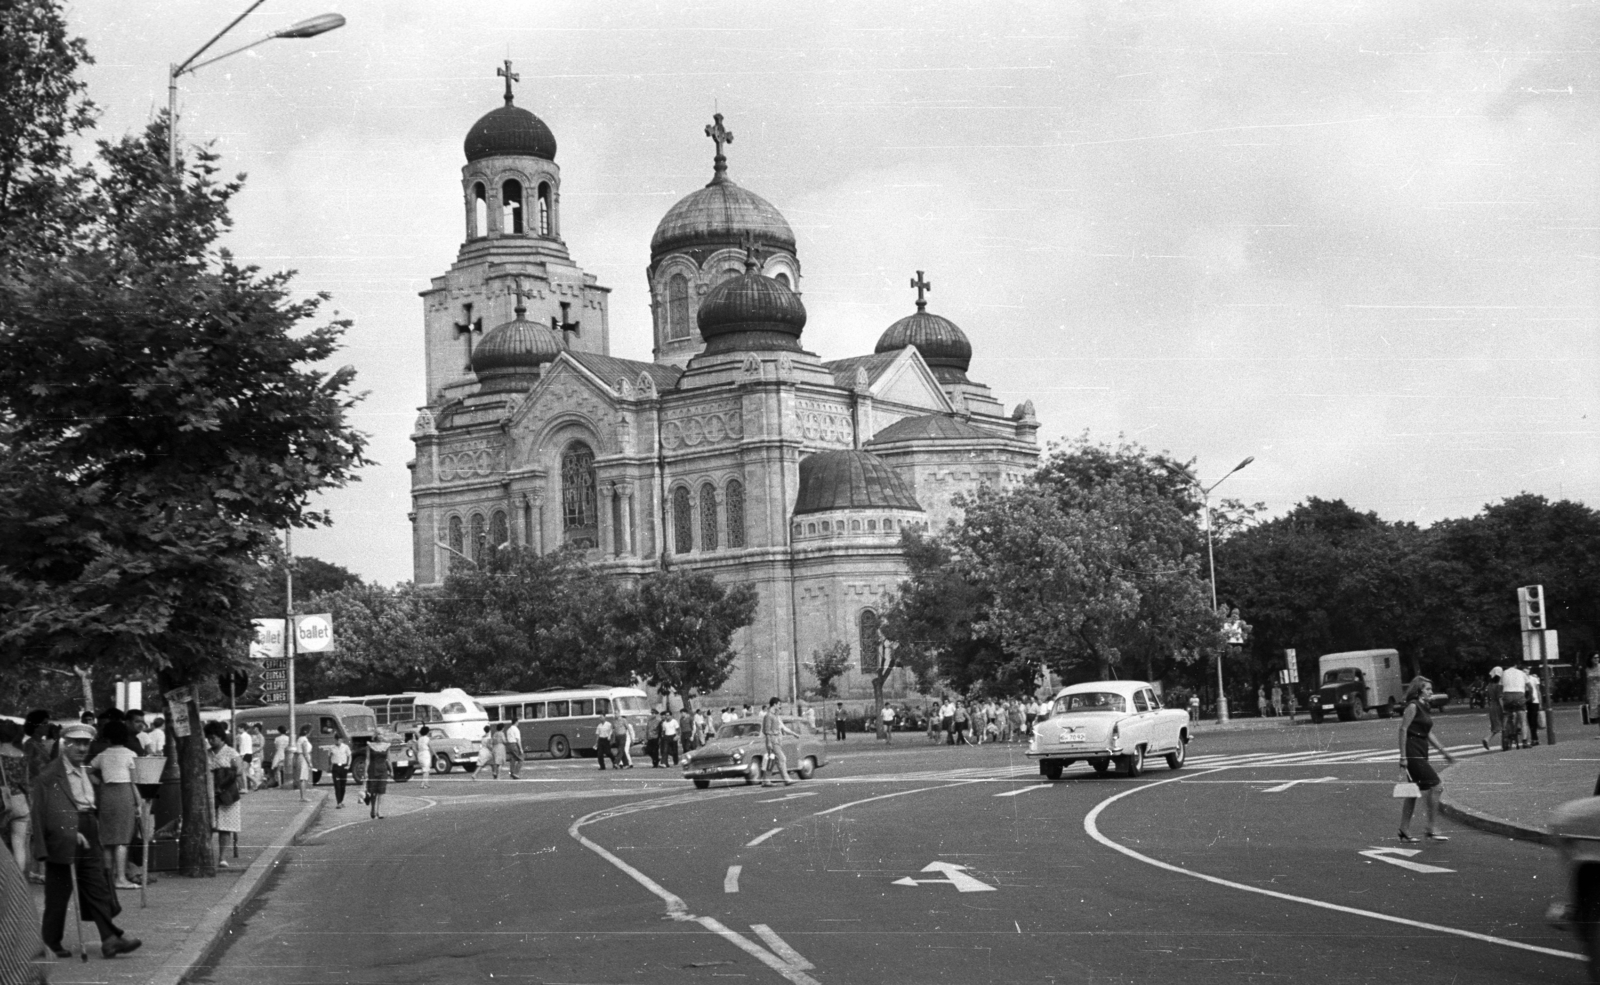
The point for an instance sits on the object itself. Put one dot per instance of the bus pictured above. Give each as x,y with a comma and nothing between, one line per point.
455,722
561,721
328,721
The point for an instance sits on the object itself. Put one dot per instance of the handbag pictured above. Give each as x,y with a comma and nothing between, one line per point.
1406,791
227,783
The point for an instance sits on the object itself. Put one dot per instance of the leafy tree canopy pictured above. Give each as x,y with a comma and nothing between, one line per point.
675,629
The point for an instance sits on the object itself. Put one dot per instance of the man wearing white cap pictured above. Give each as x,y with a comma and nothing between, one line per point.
66,836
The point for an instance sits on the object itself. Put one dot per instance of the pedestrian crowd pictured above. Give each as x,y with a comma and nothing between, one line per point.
1515,704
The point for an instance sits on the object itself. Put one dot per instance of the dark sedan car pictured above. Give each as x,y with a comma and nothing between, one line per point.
737,751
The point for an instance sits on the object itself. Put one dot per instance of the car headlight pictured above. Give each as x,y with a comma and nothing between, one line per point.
738,754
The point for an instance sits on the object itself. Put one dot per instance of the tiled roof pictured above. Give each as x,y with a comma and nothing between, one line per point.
844,370
845,480
611,369
930,427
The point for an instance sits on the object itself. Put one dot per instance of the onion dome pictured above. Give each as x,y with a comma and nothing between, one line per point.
850,480
510,131
510,355
944,347
721,213
751,311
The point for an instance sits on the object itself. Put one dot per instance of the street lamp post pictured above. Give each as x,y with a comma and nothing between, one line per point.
309,28
1211,560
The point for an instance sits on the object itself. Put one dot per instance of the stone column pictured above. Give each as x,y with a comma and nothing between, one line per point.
627,520
608,492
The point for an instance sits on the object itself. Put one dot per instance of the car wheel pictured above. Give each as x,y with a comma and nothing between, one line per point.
701,784
1051,768
1345,713
441,763
1133,763
751,772
1177,756
560,748
316,775
808,768
1100,765
1316,716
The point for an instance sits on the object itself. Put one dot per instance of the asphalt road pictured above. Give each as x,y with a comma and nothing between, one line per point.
916,864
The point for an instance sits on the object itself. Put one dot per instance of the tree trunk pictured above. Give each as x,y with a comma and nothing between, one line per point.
86,680
196,852
877,705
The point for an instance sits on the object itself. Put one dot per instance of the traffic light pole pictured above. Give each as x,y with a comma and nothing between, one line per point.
1548,704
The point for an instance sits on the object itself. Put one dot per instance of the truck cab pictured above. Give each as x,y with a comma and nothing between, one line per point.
1355,681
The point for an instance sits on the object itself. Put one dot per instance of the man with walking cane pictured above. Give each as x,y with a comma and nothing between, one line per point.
66,836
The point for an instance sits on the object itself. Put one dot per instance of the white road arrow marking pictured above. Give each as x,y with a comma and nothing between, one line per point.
1384,855
730,882
787,796
956,876
1021,790
1280,788
781,948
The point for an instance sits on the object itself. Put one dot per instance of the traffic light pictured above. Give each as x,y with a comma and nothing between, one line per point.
1530,607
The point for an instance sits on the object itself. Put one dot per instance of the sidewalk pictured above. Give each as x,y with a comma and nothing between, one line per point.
1512,793
187,918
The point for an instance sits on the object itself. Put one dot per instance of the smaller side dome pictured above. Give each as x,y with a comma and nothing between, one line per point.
943,345
850,480
510,354
751,311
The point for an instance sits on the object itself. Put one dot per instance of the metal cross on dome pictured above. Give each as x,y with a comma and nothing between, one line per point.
921,286
719,135
522,296
752,251
510,77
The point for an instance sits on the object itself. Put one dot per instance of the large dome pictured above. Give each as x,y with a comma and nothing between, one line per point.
510,355
943,345
850,480
751,311
510,131
721,214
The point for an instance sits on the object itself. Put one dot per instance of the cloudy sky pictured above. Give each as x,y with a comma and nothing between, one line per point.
1358,241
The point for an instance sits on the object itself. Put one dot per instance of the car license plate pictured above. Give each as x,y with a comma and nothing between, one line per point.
1071,736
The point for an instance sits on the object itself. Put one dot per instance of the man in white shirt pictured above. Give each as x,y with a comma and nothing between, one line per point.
155,739
244,744
669,739
888,723
1514,702
1535,703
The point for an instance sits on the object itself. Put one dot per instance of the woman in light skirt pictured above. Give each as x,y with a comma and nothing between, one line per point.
230,817
118,802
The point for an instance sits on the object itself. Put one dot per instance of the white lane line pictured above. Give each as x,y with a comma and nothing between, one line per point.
1022,790
676,908
788,796
781,948
1280,788
902,793
730,882
760,838
1093,831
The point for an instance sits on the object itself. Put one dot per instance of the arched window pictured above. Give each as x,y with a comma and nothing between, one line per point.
480,211
458,542
579,514
545,213
499,535
708,517
783,279
734,508
478,537
682,521
511,207
677,307
871,642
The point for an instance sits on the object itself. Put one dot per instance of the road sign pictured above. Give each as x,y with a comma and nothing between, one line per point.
1385,855
1294,666
314,633
1530,646
955,875
274,678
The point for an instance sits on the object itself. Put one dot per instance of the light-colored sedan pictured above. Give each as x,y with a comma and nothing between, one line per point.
1107,722
737,751
1575,829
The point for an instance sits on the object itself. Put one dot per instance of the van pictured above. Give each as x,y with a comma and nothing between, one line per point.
1351,682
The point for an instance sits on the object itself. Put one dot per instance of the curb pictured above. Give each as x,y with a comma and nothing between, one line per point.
1492,824
209,932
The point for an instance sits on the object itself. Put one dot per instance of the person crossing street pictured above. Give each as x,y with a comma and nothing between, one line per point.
772,732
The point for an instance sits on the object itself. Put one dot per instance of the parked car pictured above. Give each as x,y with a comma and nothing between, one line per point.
448,753
737,751
1107,722
1575,826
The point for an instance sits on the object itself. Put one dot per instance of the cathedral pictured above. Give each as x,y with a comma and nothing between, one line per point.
733,450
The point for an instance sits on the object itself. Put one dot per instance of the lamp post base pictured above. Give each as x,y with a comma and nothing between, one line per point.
1222,710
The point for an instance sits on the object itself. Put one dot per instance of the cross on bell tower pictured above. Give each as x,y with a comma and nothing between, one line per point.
466,327
522,298
563,325
510,77
719,135
921,286
752,251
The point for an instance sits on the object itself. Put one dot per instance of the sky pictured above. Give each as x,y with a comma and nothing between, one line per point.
1357,241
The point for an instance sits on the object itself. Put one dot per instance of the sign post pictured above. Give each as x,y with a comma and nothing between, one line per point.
1537,643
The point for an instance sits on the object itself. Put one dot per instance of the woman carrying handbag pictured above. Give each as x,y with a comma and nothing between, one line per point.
1418,781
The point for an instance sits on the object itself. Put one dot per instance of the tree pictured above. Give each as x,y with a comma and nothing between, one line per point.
828,664
675,629
159,419
388,640
518,621
931,623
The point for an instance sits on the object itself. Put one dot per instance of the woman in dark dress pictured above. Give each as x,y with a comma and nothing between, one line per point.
377,772
1416,735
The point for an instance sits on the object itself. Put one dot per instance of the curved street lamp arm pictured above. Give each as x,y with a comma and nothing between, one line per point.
178,70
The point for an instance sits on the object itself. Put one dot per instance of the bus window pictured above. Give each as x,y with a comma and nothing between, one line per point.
329,726
630,702
455,708
558,709
533,710
582,706
602,706
402,710
493,711
433,713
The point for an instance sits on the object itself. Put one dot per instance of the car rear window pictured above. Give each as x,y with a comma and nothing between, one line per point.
1087,701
